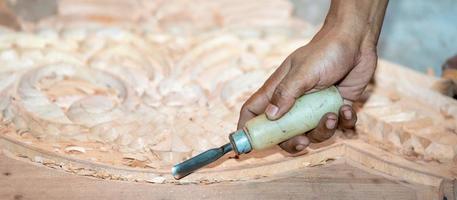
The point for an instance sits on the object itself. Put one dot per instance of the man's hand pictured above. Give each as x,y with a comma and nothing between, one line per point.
343,53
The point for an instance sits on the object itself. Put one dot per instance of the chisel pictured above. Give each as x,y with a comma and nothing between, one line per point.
260,133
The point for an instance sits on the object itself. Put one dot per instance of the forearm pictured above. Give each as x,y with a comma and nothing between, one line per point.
357,20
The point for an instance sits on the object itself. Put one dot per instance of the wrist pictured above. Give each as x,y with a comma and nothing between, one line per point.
355,22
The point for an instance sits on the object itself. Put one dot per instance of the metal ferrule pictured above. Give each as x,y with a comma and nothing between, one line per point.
240,142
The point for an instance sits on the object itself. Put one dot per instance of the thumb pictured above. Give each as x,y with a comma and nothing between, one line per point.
288,90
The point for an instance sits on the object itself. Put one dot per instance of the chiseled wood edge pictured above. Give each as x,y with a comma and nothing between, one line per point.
362,155
88,168
414,84
353,151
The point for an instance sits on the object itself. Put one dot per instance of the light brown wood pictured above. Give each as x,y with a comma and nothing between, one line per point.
133,100
406,112
339,181
355,152
406,130
375,113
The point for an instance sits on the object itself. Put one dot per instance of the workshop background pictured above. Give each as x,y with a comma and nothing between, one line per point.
417,33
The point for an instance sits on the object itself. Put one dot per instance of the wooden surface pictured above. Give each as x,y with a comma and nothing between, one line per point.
340,180
25,180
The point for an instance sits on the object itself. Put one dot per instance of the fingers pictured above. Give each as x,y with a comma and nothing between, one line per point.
282,100
295,144
325,129
348,117
258,102
294,85
254,106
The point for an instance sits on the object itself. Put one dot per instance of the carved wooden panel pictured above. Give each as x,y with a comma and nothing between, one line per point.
97,94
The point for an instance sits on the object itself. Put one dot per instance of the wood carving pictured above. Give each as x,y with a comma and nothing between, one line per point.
128,102
407,114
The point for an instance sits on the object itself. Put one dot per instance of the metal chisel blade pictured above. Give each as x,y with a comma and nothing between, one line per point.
187,167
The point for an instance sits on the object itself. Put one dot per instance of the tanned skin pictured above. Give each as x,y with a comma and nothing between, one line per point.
343,53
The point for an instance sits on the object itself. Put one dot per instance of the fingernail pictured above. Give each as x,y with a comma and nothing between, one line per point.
347,114
299,147
271,110
330,123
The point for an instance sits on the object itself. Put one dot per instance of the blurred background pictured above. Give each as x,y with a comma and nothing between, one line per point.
420,34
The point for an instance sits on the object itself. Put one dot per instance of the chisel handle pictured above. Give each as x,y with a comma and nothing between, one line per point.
304,115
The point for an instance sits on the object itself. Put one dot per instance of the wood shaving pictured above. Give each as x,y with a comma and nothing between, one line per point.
143,90
75,149
167,82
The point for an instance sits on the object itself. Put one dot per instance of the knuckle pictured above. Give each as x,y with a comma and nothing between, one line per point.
281,91
247,104
250,101
244,107
247,107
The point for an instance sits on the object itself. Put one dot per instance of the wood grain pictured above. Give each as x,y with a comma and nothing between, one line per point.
406,133
23,180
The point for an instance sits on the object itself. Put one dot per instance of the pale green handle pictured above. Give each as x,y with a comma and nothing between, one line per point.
302,117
